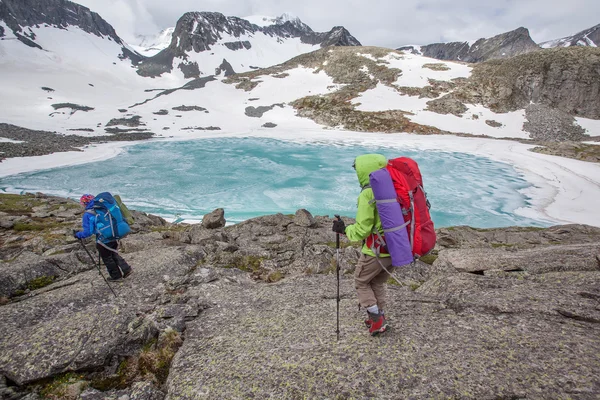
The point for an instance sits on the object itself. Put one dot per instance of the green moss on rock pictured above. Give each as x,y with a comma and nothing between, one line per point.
40,282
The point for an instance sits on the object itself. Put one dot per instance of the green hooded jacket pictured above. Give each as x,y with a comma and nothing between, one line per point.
367,216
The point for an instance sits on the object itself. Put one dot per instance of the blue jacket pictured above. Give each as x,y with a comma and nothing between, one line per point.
88,221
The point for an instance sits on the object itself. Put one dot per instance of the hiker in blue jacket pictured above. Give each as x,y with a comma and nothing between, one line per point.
115,264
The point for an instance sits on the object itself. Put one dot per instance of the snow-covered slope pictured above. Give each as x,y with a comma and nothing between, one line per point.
244,102
589,37
59,59
25,20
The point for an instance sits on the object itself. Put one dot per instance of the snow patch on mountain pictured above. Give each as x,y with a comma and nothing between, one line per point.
226,105
589,37
511,122
592,126
416,74
263,21
153,44
473,121
385,98
264,52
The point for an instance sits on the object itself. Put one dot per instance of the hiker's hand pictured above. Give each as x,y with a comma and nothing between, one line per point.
75,234
339,226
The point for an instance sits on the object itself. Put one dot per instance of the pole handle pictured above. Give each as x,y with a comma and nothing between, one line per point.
337,235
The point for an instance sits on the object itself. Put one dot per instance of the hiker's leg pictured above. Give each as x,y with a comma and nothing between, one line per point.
125,268
378,282
367,268
107,258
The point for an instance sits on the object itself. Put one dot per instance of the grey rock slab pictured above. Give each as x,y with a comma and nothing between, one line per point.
78,327
556,296
73,341
28,266
279,341
93,394
145,391
535,261
520,237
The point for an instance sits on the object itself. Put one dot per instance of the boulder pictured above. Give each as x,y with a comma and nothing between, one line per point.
214,219
304,218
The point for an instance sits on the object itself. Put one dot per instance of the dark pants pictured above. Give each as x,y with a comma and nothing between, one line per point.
115,264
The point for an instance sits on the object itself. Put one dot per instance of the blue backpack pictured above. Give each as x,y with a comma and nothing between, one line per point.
110,224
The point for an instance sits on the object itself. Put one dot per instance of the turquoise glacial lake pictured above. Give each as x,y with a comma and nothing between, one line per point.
249,177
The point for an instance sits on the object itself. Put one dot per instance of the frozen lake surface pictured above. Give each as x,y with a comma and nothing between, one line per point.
254,176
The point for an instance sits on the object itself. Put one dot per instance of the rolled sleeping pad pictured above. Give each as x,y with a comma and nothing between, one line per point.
392,220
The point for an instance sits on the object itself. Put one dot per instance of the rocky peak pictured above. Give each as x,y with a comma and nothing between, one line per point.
589,37
21,14
197,32
505,45
339,36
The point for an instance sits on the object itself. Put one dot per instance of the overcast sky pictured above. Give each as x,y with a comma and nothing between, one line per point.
386,23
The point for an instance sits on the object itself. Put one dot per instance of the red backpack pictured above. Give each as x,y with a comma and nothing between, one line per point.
408,183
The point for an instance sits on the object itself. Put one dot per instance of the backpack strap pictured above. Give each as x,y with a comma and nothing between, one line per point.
426,199
404,211
377,240
106,247
412,219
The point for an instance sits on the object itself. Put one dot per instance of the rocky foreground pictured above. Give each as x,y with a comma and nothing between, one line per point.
249,311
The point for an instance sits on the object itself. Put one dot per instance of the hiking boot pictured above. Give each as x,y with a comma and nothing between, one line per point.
378,324
128,273
369,321
111,279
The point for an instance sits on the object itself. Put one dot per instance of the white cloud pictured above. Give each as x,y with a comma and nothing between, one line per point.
387,23
128,17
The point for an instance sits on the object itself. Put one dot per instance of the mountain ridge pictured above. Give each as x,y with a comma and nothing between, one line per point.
21,14
198,32
504,45
588,37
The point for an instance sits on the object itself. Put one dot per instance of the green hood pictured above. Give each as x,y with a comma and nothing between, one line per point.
366,164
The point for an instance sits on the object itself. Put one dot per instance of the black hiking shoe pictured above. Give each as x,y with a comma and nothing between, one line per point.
128,273
111,279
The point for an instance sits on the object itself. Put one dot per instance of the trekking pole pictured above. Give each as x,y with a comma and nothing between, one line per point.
94,262
337,270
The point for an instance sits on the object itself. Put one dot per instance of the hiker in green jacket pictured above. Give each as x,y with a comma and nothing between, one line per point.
369,276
